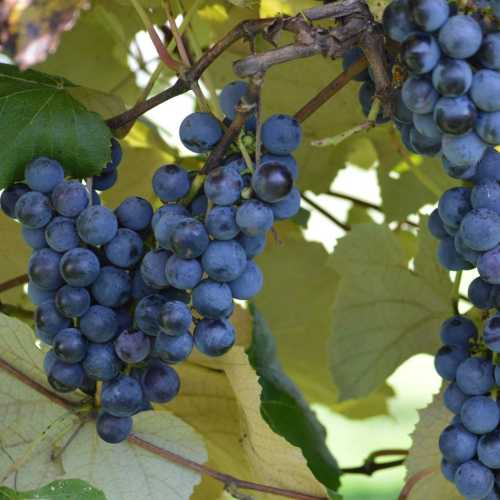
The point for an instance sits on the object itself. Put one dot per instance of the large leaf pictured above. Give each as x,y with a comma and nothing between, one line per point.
40,118
69,489
384,313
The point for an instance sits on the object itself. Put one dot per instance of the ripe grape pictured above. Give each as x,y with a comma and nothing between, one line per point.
43,269
112,288
70,345
480,414
430,15
223,186
458,330
122,397
474,480
248,284
43,174
104,182
183,274
480,229
134,213
460,37
147,314
99,324
200,132
97,225
61,234
475,376
175,317
72,302
153,269
189,239
281,134
488,127
457,444
224,260
452,77
101,362
419,95
221,223
455,115
212,299
489,53
421,53
33,209
79,267
447,360
160,383
463,150
113,429
70,198
272,182
171,183
9,197
485,90
125,249
397,21
132,347
35,238
214,337
254,217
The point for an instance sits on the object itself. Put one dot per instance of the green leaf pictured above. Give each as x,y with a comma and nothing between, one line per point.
384,313
69,489
40,118
284,408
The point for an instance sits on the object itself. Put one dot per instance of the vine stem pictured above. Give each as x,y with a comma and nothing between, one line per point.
17,281
371,465
328,215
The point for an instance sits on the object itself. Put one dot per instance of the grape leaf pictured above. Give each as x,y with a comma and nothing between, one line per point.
40,118
384,313
68,489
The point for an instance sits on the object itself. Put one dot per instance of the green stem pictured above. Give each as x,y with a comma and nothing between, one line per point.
195,188
246,156
142,14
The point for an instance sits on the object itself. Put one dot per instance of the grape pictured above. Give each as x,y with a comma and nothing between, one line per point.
97,225
485,90
248,284
43,174
122,397
474,480
457,444
134,213
33,210
223,186
486,194
70,375
153,269
448,470
175,294
70,198
488,266
480,229
116,157
49,361
452,77
419,95
252,245
212,299
221,223
104,182
172,210
488,447
447,360
61,234
480,415
455,115
254,217
35,238
458,330
189,239
288,161
420,53
426,126
48,319
470,255
70,345
492,333
352,56
200,132
173,349
224,260
113,429
430,15
182,273
475,376
489,166
171,183
125,249
160,383
397,21
79,267
423,145
9,197
405,131
281,134
72,302
365,96
489,53
147,314
99,324
402,115
288,207
463,172
463,150
480,294
449,258
454,398
272,182
101,362
165,227
39,295
175,317
454,205
488,127
436,226
123,318
139,287
214,337
45,337
132,347
460,37
112,288
230,97
199,206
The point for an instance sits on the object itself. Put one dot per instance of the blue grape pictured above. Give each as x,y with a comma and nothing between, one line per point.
480,415
48,319
426,126
430,15
488,127
458,172
9,197
452,77
122,397
200,132
454,205
214,337
165,227
480,294
397,21
224,260
125,249
420,53
448,359
183,274
458,330
405,131
488,266
175,294
33,210
254,217
70,198
116,157
248,284
112,288
460,37
485,90
43,269
288,207
134,213
139,287
35,238
212,299
488,447
489,53
123,318
199,206
252,245
419,95
147,314
448,470
177,212
436,226
97,225
61,234
457,444
38,295
189,239
402,115
103,182
230,97
223,186
463,150
352,56
492,333
470,255
486,194
423,145
480,229
455,115
72,302
287,160
171,183
175,317
70,375
454,398
173,349
43,174
272,182
70,345
132,347
160,383
281,134
101,362
99,324
79,267
475,376
153,269
221,223
113,429
488,167
45,337
474,480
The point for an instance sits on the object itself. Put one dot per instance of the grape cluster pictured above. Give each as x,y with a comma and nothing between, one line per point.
123,295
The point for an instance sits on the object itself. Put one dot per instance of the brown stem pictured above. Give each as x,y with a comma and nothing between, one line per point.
219,476
328,215
371,465
163,54
17,281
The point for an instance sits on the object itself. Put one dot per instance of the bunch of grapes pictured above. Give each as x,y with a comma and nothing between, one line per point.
123,295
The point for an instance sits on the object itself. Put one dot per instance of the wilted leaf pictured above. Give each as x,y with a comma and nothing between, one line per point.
69,489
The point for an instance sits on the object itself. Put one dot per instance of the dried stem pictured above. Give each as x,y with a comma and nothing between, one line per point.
371,465
17,281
